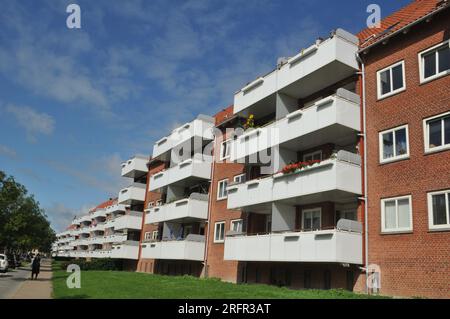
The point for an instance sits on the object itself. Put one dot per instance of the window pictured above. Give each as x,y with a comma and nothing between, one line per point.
435,62
225,149
396,214
219,232
159,202
147,236
150,205
391,80
236,225
437,133
317,155
394,144
155,235
312,218
346,214
239,178
439,210
222,189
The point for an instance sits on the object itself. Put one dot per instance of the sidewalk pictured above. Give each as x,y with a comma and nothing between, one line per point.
37,289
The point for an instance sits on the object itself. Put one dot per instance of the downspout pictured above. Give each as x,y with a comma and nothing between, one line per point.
366,219
143,216
208,220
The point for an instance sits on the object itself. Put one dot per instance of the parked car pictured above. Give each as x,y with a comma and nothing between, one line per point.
3,263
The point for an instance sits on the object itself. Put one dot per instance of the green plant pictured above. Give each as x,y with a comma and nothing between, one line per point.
95,264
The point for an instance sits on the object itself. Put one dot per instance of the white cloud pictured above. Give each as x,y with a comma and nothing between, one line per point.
31,121
61,216
7,152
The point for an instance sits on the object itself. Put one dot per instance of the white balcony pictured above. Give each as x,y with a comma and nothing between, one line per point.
116,238
330,246
314,68
133,220
97,227
115,209
192,208
190,169
334,119
99,213
125,250
135,167
331,180
199,129
132,194
175,250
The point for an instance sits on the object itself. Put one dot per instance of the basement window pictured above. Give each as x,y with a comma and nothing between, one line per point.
435,62
439,210
391,80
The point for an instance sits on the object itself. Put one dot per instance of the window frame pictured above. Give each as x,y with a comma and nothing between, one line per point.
409,229
218,189
218,241
155,235
228,149
237,220
426,135
307,210
380,95
421,55
147,235
430,195
380,145
312,154
240,175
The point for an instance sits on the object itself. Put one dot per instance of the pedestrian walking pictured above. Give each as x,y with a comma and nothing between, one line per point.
35,267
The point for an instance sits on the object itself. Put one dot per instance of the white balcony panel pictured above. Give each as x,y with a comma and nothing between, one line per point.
116,238
115,208
331,179
133,220
126,250
200,128
319,246
175,250
188,169
132,193
136,166
99,213
331,120
188,208
309,71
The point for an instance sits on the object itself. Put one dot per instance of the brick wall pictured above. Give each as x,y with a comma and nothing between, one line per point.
416,263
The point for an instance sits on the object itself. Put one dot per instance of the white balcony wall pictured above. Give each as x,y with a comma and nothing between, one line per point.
183,208
132,193
318,246
191,168
175,250
135,166
133,220
126,250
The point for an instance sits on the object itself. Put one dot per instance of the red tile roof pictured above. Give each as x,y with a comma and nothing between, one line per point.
104,204
400,19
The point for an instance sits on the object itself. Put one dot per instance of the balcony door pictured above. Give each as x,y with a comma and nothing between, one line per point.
312,219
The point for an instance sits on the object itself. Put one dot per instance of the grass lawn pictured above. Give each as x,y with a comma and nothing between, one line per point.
120,285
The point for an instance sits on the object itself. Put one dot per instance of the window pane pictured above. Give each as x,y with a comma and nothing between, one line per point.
307,158
403,213
397,77
307,224
389,215
439,213
429,64
388,143
435,133
316,220
385,82
447,130
400,142
444,59
317,156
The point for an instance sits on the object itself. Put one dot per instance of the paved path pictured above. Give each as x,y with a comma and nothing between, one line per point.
37,289
11,281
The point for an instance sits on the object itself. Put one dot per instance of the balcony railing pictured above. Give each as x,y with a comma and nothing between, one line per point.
330,179
193,207
330,120
191,248
132,193
132,220
198,169
125,250
135,166
339,245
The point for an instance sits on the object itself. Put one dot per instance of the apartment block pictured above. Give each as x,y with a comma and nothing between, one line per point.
330,171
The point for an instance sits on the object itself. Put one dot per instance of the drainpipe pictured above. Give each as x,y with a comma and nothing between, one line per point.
208,220
143,217
363,135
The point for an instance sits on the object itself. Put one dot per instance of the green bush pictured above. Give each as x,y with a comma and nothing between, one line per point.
95,264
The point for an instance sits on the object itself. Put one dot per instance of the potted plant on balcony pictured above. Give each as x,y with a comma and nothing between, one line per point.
249,123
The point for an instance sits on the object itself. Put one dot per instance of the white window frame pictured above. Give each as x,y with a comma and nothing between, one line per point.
219,197
430,195
312,210
312,154
383,219
422,64
147,236
150,205
154,235
392,92
234,221
158,202
228,149
235,178
395,157
426,135
215,232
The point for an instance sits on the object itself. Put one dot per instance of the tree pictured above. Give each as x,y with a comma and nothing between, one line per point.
23,224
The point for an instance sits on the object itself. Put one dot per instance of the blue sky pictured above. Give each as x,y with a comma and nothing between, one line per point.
75,103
